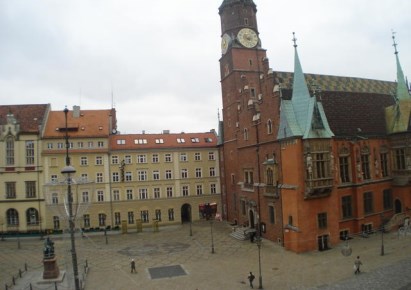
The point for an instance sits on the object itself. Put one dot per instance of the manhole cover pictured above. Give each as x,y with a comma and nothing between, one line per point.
166,272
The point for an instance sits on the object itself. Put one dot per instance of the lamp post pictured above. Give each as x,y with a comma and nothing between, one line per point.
191,221
212,237
260,278
382,234
68,170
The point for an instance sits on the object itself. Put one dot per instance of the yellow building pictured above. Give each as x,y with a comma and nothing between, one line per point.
165,178
21,197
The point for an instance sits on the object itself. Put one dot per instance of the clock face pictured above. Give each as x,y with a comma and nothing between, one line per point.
247,37
225,41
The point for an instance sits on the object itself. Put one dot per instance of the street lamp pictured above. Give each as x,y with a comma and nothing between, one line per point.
260,278
68,170
212,237
382,234
191,221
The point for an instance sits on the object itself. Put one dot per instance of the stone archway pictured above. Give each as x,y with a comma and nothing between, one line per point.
186,213
397,206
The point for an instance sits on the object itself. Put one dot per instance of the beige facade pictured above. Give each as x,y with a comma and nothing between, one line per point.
21,197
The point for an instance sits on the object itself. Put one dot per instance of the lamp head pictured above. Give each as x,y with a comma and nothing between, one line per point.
68,170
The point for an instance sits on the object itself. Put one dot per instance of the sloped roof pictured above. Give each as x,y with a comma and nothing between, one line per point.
339,84
90,123
163,141
29,117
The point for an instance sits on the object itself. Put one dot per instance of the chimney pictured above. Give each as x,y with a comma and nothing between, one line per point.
76,111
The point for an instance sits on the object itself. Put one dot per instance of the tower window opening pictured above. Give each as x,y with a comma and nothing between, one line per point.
245,21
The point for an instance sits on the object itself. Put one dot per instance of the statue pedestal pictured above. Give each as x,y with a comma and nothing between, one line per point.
51,269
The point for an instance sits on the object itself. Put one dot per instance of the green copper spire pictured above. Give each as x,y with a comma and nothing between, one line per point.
402,89
303,115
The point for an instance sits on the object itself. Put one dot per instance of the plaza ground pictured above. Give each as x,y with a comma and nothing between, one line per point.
108,258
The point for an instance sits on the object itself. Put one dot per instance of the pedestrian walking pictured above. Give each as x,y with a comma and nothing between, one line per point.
357,265
251,279
133,266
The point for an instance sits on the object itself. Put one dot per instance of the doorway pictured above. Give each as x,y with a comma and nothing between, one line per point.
323,242
185,213
251,218
398,206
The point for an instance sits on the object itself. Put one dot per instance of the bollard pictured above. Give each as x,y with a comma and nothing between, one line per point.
25,267
55,286
31,288
14,281
7,287
86,263
19,273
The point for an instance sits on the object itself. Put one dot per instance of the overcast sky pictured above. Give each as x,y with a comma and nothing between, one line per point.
158,60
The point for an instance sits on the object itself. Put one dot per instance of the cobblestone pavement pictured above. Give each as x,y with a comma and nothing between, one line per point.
227,268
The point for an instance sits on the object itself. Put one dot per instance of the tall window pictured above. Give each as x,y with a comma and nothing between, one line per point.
198,173
127,159
30,189
184,173
154,158
32,216
245,134
346,206
322,220
400,159
56,223
156,192
142,175
99,160
30,152
213,188
101,219
183,157
168,157
12,217
116,194
100,195
384,164
130,217
115,177
141,158
85,197
10,190
117,218
54,198
158,214
169,190
86,220
83,161
269,127
319,165
143,193
156,175
144,216
10,151
271,214
199,189
129,176
365,163
99,177
114,159
270,176
211,156
344,169
212,171
170,214
248,178
129,194
168,174
197,156
185,190
387,199
368,202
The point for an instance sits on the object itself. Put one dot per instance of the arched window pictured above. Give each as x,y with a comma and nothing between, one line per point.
32,216
269,127
245,134
9,150
12,217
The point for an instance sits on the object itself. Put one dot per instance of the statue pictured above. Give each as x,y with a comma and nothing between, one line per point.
48,248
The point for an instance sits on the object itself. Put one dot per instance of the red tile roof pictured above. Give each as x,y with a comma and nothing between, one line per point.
29,117
90,123
163,141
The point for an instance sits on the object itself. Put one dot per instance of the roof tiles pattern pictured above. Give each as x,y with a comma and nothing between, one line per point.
29,117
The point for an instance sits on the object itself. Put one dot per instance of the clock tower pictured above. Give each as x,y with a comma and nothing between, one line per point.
249,107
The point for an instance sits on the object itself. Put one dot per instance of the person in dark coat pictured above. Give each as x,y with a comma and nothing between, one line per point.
251,279
133,266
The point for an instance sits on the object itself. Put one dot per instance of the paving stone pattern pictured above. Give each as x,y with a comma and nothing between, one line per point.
226,269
